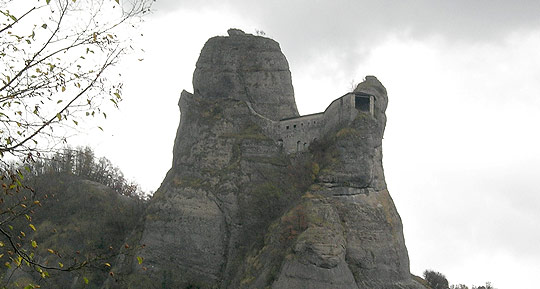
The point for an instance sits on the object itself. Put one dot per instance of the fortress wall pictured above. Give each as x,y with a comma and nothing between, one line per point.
270,127
339,113
297,133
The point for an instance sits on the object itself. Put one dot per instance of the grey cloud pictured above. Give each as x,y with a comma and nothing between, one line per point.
349,28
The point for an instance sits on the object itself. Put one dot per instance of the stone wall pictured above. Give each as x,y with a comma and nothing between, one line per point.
296,134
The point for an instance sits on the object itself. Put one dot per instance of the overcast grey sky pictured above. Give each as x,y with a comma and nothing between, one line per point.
461,146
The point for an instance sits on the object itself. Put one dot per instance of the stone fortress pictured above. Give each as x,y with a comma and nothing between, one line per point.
240,209
297,133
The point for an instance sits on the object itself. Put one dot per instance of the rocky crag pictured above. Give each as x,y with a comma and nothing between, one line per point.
258,197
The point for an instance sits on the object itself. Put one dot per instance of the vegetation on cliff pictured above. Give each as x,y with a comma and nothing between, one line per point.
83,215
436,280
54,60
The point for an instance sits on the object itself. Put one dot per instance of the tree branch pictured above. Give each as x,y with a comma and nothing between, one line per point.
47,123
16,21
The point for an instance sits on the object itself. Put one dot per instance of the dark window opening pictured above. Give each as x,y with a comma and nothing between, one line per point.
362,103
287,127
294,126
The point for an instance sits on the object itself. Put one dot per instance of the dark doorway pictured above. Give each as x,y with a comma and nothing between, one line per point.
362,103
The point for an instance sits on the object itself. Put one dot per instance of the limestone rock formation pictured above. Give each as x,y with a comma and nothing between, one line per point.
258,197
249,68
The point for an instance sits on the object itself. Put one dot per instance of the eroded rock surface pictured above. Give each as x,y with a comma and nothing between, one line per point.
237,210
246,67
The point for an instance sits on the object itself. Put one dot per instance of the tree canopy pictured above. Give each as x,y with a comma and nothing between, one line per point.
55,60
82,162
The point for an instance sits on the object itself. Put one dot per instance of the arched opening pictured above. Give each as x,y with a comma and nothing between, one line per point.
298,146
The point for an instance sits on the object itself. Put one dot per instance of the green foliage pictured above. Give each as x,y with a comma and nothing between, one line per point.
83,163
486,286
348,132
324,154
55,220
53,67
81,227
251,131
436,280
54,58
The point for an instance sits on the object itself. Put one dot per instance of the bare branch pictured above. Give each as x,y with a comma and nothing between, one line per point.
17,20
47,123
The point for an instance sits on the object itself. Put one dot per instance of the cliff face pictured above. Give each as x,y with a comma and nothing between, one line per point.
237,211
248,68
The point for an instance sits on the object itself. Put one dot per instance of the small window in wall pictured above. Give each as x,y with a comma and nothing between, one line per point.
362,103
287,127
294,126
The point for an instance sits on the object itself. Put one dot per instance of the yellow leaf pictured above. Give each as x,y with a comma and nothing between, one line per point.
107,264
32,226
117,1
63,88
61,265
50,251
34,244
